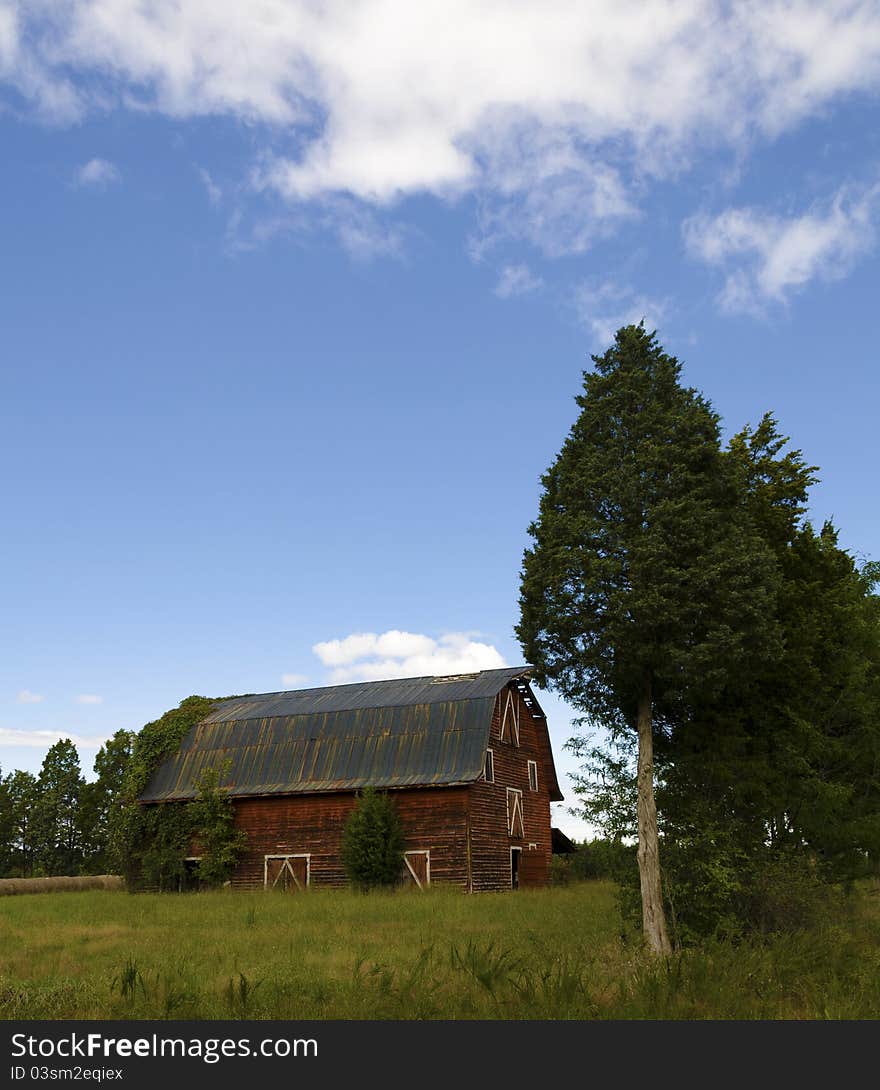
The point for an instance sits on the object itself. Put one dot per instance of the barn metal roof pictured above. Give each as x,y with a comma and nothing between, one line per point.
401,733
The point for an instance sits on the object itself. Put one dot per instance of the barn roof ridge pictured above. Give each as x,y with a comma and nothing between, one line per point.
432,679
365,695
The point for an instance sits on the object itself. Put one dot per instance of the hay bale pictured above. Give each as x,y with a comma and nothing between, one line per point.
60,884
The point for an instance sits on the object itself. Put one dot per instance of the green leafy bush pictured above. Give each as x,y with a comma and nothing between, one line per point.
212,817
713,888
372,842
599,858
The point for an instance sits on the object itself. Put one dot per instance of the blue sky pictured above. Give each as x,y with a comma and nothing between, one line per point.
295,300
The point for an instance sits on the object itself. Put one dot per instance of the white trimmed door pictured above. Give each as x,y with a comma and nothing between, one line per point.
417,868
287,872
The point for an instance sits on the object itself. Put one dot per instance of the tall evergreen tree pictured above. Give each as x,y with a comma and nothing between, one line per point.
56,811
646,585
772,782
785,770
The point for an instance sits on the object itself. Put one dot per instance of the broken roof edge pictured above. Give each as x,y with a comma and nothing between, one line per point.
274,705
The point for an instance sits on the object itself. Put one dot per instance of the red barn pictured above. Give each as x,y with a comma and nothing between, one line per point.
467,758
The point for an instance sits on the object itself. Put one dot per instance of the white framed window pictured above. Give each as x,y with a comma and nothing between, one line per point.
489,767
514,812
418,867
533,775
288,872
510,719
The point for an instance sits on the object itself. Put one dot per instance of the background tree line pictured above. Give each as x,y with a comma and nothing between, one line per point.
58,823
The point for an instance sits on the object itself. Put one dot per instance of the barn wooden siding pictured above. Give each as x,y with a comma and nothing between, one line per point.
434,820
490,842
296,760
465,828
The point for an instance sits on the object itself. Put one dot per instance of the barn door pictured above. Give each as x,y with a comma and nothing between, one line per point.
532,869
515,857
287,872
417,869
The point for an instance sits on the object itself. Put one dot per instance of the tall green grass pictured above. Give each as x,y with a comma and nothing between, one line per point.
558,953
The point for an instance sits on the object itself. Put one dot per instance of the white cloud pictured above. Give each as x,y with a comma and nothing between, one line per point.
517,280
552,111
97,173
358,229
604,308
368,656
767,257
42,739
89,698
293,679
361,233
215,193
540,184
25,696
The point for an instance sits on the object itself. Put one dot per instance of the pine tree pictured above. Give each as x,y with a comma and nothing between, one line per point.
647,585
781,776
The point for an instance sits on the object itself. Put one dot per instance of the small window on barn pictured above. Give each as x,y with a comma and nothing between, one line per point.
489,767
510,720
533,775
514,812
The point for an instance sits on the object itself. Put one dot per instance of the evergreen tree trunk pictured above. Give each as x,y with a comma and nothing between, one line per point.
653,915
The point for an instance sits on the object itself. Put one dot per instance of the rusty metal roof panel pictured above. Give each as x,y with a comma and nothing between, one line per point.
438,743
401,733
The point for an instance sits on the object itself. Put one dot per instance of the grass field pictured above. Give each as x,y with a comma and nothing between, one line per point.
559,953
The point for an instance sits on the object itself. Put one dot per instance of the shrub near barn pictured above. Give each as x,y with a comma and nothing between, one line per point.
373,842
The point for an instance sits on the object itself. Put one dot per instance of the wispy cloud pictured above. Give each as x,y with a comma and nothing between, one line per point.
517,280
557,129
25,696
294,679
604,308
362,232
97,174
767,257
368,656
542,185
89,698
215,193
42,739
